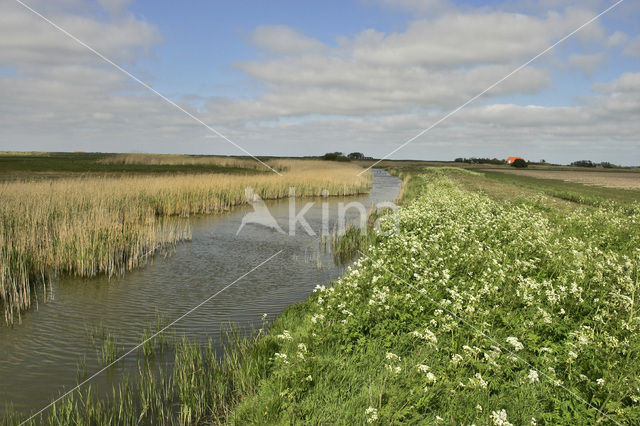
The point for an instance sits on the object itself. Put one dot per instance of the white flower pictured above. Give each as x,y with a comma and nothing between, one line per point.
372,414
477,380
517,346
284,336
282,357
391,355
309,378
423,368
302,347
500,418
456,358
600,382
533,376
393,369
316,318
479,408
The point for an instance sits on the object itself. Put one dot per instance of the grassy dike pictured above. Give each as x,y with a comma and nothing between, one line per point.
478,310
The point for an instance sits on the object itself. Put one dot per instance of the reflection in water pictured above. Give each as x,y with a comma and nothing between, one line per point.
39,357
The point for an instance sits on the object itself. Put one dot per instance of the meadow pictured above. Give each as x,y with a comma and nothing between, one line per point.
491,304
86,222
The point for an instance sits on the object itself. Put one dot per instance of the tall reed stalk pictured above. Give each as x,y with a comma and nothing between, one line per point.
107,225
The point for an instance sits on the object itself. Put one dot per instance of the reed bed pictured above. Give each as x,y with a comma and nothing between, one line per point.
108,225
182,159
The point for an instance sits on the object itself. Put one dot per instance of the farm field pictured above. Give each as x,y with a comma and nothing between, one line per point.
608,179
492,303
95,217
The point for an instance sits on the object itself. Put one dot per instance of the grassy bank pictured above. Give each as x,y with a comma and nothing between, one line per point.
481,309
478,311
106,225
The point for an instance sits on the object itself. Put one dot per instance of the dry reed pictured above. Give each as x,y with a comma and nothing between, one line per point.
182,159
107,225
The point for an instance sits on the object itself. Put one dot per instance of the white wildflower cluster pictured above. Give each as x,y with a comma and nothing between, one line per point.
282,357
477,381
429,376
317,318
499,418
456,359
393,358
302,351
513,341
285,335
426,335
379,297
372,414
508,270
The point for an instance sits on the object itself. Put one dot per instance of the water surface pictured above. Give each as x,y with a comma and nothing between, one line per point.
39,357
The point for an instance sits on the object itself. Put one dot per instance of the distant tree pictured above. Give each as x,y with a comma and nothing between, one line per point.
474,160
583,163
356,156
607,165
519,163
543,161
335,156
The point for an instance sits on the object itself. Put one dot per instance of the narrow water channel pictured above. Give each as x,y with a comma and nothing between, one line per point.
39,357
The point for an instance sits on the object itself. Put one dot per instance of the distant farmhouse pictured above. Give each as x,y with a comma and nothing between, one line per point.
510,160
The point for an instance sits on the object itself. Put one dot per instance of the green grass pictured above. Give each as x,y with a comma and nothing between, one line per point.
362,357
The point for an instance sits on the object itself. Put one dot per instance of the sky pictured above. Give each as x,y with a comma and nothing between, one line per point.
294,78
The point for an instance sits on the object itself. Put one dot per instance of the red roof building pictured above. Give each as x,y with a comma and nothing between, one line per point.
510,160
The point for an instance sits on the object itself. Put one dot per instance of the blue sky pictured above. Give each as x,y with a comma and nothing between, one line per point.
215,35
305,77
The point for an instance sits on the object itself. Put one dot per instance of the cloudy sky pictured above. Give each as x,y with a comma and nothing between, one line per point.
306,77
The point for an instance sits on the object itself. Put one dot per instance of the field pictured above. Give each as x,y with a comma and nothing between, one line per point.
624,180
492,303
96,218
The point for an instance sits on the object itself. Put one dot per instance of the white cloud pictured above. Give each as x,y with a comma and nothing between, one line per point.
633,48
616,39
422,7
435,63
115,7
588,64
367,93
284,40
462,39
